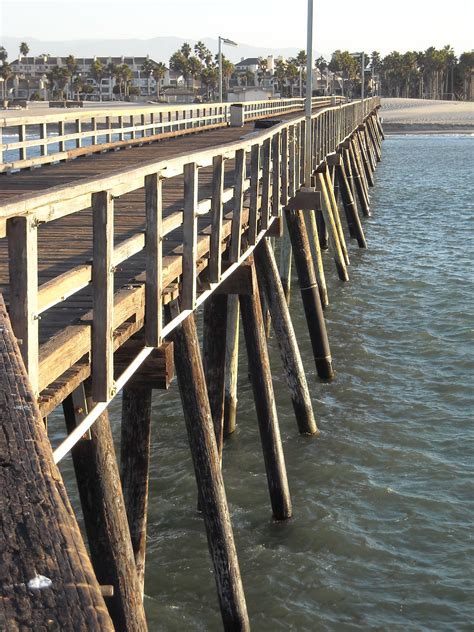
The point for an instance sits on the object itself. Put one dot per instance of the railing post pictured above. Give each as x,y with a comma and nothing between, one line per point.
276,177
154,261
43,136
188,300
78,131
21,139
254,190
266,161
22,233
216,230
239,176
103,296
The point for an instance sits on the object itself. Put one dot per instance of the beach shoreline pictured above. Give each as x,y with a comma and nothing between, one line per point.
423,116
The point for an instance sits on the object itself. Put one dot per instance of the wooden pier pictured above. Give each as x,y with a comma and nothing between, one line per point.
133,221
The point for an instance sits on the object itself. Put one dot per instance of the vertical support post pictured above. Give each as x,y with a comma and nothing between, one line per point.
61,132
334,241
231,364
154,261
105,517
266,179
335,212
212,497
134,468
353,220
364,203
310,294
254,194
276,176
285,262
261,377
43,134
188,293
214,358
78,126
215,257
22,139
290,354
314,239
239,176
22,234
103,296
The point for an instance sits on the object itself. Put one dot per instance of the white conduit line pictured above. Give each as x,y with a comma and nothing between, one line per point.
75,436
98,409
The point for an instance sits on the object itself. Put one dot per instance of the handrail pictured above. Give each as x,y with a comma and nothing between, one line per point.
42,139
262,193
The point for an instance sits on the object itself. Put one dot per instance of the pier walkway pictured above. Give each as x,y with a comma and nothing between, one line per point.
103,260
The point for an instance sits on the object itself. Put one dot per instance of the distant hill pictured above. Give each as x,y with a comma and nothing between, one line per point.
159,48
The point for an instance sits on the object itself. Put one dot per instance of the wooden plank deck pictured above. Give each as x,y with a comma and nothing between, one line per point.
67,242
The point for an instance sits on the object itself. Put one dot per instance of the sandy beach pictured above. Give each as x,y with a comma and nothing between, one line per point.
410,116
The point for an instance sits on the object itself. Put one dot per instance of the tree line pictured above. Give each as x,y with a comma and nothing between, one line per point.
433,73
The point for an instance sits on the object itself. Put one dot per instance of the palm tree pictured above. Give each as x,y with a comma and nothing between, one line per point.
262,69
24,49
98,71
280,74
3,54
195,67
179,63
203,53
159,72
6,73
300,60
111,71
186,50
228,69
147,69
72,66
210,78
291,74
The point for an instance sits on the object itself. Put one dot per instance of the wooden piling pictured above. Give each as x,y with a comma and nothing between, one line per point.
214,359
322,230
335,211
310,218
357,179
285,262
269,279
353,219
370,148
334,239
261,377
134,468
212,497
310,294
360,141
231,364
105,517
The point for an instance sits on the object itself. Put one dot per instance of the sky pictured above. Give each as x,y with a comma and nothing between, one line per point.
385,25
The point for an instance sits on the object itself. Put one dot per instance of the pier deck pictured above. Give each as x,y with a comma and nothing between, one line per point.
103,260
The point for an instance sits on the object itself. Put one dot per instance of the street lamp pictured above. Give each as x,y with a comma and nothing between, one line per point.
362,72
222,40
309,95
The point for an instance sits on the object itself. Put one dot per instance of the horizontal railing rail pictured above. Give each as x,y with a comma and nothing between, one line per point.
266,171
34,140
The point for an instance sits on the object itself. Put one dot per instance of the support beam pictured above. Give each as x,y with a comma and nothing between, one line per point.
269,279
105,517
214,359
334,239
261,377
310,294
231,364
353,219
212,497
134,468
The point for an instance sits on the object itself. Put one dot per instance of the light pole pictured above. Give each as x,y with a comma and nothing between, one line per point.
222,40
309,95
362,72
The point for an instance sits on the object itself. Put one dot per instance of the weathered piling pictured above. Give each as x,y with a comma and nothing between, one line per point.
231,364
285,262
360,140
310,294
205,455
105,517
310,218
350,208
134,467
358,183
261,377
334,238
290,354
331,203
214,359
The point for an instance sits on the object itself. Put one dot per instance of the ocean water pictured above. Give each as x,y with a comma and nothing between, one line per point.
381,537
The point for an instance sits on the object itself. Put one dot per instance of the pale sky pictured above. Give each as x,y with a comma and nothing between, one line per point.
384,25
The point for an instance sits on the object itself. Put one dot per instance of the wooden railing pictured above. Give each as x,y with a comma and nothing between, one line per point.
267,171
33,140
